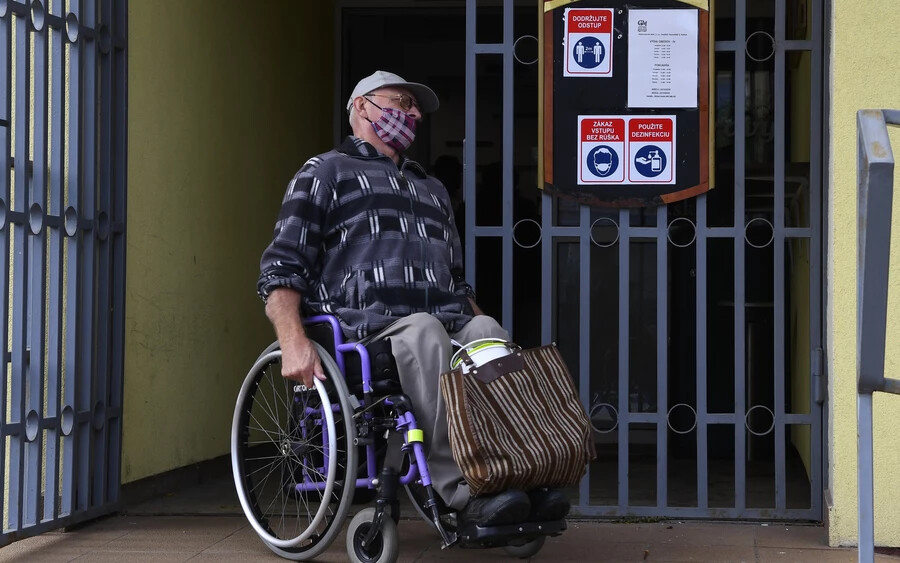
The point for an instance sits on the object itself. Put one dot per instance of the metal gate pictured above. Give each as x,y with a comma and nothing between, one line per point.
694,329
62,226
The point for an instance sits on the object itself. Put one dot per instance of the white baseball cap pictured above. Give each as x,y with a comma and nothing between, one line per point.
426,99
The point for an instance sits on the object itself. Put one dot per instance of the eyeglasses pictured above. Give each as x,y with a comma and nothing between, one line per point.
405,102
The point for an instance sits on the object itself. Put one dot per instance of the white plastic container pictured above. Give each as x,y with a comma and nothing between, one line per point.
481,351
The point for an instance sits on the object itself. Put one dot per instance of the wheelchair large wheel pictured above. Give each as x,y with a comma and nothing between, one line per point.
270,348
293,457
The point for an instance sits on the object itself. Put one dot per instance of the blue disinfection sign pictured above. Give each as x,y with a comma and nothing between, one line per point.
589,52
650,161
602,161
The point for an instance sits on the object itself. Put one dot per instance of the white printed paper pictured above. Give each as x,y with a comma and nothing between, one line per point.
663,58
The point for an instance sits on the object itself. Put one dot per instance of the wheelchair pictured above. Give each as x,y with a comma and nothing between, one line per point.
301,456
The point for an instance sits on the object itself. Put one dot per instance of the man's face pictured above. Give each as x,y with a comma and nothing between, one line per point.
397,98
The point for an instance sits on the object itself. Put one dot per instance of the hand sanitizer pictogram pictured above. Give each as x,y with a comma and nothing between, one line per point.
655,161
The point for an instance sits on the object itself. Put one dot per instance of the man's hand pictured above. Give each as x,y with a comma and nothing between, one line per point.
299,360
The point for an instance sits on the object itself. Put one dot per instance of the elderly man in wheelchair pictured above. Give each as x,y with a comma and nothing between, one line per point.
363,284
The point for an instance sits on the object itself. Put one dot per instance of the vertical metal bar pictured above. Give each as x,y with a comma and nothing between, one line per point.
740,376
104,251
662,356
7,262
37,211
86,369
56,207
702,372
865,478
875,166
20,288
624,308
584,321
74,310
508,142
816,273
469,143
548,243
337,74
117,104
778,332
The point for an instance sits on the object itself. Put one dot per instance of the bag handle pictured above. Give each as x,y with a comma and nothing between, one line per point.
497,367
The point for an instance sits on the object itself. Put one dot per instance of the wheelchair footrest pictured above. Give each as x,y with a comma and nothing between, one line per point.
476,536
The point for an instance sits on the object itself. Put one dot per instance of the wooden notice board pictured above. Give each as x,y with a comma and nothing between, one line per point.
625,111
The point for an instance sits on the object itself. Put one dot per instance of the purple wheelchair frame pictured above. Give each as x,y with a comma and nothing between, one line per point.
472,535
418,467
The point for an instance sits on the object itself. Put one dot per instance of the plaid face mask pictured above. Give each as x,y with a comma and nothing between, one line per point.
397,129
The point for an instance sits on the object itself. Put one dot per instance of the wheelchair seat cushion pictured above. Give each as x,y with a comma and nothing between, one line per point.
385,379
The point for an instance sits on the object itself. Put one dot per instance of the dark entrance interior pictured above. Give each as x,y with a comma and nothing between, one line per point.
428,45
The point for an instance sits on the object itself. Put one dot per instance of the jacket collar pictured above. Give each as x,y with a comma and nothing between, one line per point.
356,147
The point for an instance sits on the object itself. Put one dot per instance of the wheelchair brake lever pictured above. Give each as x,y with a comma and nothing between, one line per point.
357,414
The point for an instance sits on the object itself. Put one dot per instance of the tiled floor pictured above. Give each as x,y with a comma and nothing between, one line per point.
204,523
131,538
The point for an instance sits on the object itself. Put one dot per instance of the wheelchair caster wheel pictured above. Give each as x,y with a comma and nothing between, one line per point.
526,550
384,548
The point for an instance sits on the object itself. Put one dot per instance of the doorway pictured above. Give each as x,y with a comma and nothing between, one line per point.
691,330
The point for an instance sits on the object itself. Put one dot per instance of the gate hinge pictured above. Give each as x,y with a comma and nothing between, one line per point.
820,384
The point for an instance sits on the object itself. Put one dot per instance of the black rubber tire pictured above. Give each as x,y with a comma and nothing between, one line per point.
385,547
263,386
527,550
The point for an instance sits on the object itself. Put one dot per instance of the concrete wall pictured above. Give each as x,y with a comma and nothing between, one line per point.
226,101
864,71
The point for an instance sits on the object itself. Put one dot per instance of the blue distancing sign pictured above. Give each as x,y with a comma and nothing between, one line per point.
588,42
589,52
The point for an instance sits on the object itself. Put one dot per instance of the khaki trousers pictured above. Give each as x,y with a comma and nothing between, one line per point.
422,348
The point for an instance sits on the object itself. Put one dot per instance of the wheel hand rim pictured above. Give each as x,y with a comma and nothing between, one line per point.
263,532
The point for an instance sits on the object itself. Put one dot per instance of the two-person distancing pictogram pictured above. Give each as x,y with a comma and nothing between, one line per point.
589,52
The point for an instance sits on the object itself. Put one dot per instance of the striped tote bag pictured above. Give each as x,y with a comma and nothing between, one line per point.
516,422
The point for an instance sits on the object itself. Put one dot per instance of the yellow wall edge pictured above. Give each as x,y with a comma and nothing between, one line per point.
225,103
864,71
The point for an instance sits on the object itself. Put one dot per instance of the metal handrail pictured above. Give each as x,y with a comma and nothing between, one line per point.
875,166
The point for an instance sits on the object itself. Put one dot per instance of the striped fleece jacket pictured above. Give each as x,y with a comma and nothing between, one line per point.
368,242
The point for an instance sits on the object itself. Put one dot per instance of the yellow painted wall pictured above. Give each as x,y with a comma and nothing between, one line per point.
226,100
865,70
